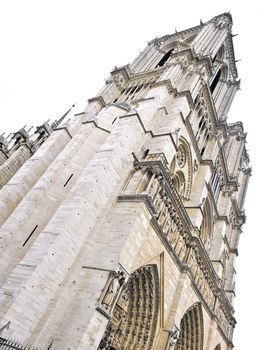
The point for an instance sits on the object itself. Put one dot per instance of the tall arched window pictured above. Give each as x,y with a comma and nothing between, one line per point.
164,59
206,230
215,81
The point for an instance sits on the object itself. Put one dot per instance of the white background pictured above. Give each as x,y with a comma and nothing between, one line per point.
56,53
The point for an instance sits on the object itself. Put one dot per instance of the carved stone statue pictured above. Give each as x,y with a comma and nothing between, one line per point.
116,282
174,335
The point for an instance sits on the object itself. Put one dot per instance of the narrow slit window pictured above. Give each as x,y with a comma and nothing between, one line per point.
28,238
65,184
215,81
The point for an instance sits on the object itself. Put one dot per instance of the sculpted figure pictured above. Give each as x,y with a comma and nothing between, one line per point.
114,286
153,186
173,339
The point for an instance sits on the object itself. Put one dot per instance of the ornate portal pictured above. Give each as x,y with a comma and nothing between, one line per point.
135,315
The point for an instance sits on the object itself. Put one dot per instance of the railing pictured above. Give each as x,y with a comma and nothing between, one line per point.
6,344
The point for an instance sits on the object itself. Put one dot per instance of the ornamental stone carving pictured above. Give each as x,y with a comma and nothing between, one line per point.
181,156
112,290
135,314
223,22
173,338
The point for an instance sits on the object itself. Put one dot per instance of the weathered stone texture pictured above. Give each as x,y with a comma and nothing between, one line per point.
120,228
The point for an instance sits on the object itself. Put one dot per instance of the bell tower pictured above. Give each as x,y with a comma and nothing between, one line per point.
120,230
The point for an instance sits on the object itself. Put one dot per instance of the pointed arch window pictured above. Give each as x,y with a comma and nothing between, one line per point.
164,59
215,81
206,230
179,182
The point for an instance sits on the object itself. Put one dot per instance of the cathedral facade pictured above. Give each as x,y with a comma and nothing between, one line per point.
120,227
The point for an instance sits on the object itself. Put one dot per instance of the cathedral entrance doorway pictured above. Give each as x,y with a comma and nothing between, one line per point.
191,329
135,316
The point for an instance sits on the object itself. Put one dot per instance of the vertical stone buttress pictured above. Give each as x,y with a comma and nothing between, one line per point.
135,204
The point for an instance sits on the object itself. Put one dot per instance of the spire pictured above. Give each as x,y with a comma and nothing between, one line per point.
56,123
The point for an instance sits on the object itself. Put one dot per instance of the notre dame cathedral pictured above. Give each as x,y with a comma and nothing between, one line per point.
120,225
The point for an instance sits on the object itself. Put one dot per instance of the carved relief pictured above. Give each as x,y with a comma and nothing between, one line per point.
135,315
182,179
173,338
127,80
181,156
237,130
113,287
222,22
244,164
191,330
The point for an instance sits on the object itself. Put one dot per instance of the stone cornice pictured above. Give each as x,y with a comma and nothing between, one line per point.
64,128
123,76
97,126
172,90
178,35
98,99
136,114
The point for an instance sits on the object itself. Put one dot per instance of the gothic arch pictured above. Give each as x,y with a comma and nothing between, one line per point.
191,329
165,58
179,182
169,48
181,169
206,230
221,77
135,315
220,55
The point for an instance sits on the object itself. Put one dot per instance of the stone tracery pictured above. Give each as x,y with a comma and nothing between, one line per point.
181,169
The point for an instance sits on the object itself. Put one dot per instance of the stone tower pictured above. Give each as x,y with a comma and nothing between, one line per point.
120,227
